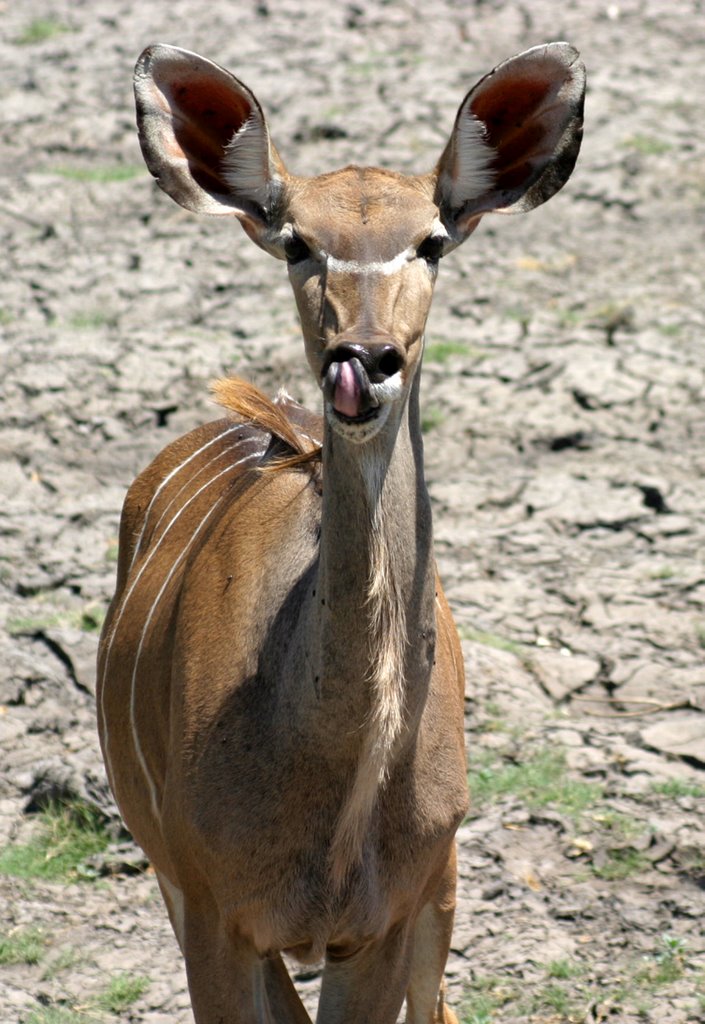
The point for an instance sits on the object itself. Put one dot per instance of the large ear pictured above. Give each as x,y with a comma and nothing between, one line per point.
516,137
204,137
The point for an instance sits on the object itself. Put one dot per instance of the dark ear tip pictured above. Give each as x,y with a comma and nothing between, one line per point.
148,57
164,53
142,62
565,53
147,65
572,61
562,53
565,49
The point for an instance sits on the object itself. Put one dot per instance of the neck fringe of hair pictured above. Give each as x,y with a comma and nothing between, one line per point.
251,405
388,643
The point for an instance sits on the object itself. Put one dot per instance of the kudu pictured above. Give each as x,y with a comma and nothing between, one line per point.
280,680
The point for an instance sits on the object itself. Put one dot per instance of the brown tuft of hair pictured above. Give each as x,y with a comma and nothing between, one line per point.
251,405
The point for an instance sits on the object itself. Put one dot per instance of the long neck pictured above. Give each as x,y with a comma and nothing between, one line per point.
376,594
376,582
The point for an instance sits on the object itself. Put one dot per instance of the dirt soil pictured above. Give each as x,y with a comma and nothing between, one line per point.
565,430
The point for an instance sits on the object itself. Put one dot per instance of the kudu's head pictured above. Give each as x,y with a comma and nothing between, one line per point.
362,244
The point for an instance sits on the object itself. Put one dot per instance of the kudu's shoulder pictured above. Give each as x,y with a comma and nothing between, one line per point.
209,468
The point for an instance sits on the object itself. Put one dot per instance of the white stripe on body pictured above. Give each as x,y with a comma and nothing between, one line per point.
174,899
172,474
226,451
108,764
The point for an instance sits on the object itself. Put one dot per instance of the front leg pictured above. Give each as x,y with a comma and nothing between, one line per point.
425,997
368,987
229,982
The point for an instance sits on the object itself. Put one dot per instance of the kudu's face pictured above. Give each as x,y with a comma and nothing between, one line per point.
363,247
362,244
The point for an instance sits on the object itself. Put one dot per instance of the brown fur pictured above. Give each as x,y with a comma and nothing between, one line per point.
280,683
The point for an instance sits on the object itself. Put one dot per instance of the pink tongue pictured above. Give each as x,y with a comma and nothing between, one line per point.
346,399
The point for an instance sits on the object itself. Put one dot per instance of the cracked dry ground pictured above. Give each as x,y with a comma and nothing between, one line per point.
563,408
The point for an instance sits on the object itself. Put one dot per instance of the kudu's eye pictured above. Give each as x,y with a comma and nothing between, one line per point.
431,249
295,249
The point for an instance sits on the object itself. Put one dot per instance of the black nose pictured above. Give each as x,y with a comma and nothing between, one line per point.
380,361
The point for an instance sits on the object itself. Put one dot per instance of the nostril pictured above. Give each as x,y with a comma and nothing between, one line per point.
390,362
339,354
379,361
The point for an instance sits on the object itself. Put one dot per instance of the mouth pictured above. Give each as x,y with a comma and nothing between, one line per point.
360,390
351,395
364,417
357,429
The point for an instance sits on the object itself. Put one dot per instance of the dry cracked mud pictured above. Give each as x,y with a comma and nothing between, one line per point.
565,451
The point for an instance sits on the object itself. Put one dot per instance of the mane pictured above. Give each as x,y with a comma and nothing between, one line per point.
251,405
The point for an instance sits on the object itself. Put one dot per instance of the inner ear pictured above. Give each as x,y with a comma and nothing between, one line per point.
521,114
204,136
205,118
516,136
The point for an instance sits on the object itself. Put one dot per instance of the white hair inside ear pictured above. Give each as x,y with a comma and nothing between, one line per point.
245,161
470,175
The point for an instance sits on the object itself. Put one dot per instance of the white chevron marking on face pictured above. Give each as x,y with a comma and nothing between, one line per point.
388,267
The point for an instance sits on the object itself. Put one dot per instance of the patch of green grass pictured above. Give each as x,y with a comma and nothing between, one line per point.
478,1010
620,826
495,720
667,965
22,946
666,572
570,317
670,330
442,351
64,960
700,636
621,864
568,1002
39,30
567,992
493,709
32,623
90,320
678,787
671,957
68,835
499,643
554,997
648,145
119,995
666,972
100,175
539,781
59,1015
616,833
483,995
564,969
123,990
88,619
92,618
431,418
